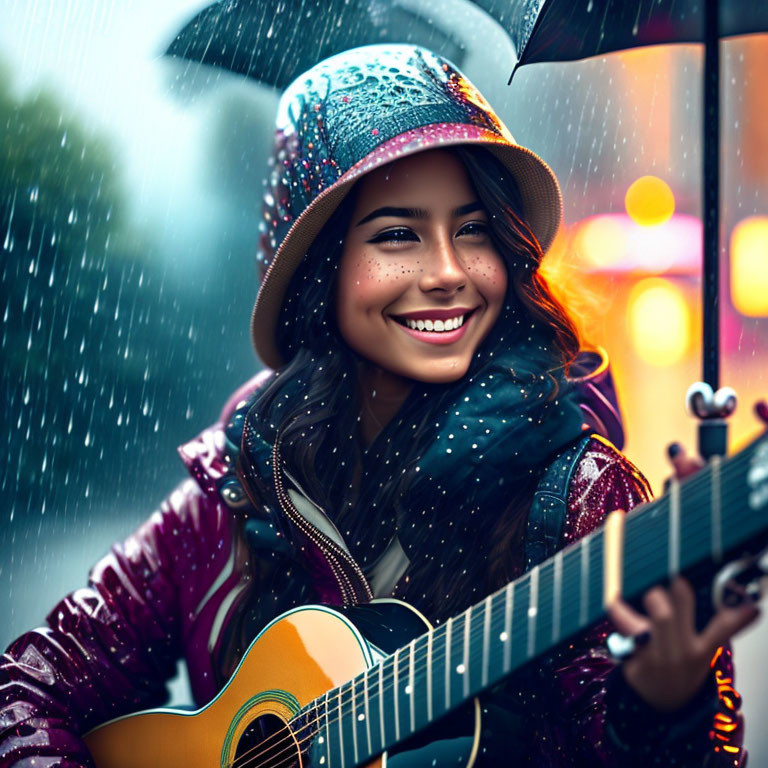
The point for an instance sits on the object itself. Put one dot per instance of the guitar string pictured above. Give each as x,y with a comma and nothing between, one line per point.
517,633
699,494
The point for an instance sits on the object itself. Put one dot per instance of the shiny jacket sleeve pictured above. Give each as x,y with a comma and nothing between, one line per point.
107,649
110,648
611,724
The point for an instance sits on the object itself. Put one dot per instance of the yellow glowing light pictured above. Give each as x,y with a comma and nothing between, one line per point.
659,321
649,201
749,266
601,241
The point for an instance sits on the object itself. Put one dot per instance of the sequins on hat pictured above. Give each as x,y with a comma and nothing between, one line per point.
352,113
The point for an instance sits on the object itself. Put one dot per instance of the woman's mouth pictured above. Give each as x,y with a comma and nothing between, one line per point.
436,331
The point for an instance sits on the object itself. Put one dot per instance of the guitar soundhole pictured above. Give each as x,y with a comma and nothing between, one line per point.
267,742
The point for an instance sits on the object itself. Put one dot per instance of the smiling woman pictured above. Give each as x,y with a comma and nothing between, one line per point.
420,283
428,431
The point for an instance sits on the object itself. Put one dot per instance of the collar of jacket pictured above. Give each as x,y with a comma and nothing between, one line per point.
338,577
213,460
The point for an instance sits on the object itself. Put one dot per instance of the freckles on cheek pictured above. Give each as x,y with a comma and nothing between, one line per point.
490,272
387,272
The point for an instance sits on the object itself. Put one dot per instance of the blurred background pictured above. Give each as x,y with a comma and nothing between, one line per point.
130,189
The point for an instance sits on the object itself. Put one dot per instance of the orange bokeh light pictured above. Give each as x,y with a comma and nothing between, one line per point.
601,242
659,321
749,266
649,201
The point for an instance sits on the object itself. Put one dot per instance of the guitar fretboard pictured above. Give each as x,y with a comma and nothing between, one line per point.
701,520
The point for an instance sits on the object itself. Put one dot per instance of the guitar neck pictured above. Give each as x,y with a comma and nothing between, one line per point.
700,521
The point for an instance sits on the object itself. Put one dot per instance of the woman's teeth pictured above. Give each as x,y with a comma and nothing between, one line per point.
435,325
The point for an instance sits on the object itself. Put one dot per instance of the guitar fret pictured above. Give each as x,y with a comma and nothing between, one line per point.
447,641
486,641
557,597
430,635
354,721
327,733
716,509
412,694
533,609
367,714
508,608
396,691
584,586
673,567
381,703
340,721
465,653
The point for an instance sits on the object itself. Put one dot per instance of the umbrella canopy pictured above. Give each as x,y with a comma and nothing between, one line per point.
275,42
563,30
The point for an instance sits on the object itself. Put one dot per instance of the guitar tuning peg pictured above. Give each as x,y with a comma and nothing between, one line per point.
761,411
698,399
702,402
724,402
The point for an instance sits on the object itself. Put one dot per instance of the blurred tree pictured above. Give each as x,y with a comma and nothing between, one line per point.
88,337
241,132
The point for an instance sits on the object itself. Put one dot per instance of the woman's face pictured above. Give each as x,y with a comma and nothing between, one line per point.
418,256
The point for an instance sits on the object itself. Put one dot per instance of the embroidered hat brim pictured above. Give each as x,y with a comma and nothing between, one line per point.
353,113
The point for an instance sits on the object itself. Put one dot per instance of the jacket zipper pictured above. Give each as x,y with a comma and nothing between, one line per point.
337,558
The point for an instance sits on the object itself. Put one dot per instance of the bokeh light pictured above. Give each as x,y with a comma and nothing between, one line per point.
659,321
649,201
749,266
612,242
601,242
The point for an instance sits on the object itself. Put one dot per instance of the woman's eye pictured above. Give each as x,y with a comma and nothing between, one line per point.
474,228
398,235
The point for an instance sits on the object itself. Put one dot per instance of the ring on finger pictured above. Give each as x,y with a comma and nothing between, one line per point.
623,647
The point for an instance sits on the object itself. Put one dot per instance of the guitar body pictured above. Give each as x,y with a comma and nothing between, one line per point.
296,659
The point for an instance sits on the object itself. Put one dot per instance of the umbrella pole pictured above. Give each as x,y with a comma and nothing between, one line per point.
711,199
711,409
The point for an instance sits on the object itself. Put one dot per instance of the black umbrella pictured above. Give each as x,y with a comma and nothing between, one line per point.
554,30
274,42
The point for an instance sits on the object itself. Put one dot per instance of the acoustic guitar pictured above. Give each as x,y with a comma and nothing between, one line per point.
375,685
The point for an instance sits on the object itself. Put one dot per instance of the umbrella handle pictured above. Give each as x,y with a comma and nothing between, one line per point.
711,408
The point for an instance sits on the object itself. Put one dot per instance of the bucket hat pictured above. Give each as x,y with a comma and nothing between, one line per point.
352,113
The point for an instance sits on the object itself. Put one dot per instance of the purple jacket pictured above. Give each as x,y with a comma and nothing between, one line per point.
193,582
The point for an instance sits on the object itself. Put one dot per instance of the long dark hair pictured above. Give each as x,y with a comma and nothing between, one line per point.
313,401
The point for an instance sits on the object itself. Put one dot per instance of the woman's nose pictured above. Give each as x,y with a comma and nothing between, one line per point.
443,269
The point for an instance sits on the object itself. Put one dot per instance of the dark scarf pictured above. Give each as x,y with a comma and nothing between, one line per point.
502,424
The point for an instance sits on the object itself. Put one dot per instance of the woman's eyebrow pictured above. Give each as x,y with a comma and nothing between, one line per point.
416,213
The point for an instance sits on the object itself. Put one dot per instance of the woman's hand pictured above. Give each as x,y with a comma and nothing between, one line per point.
672,664
673,661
